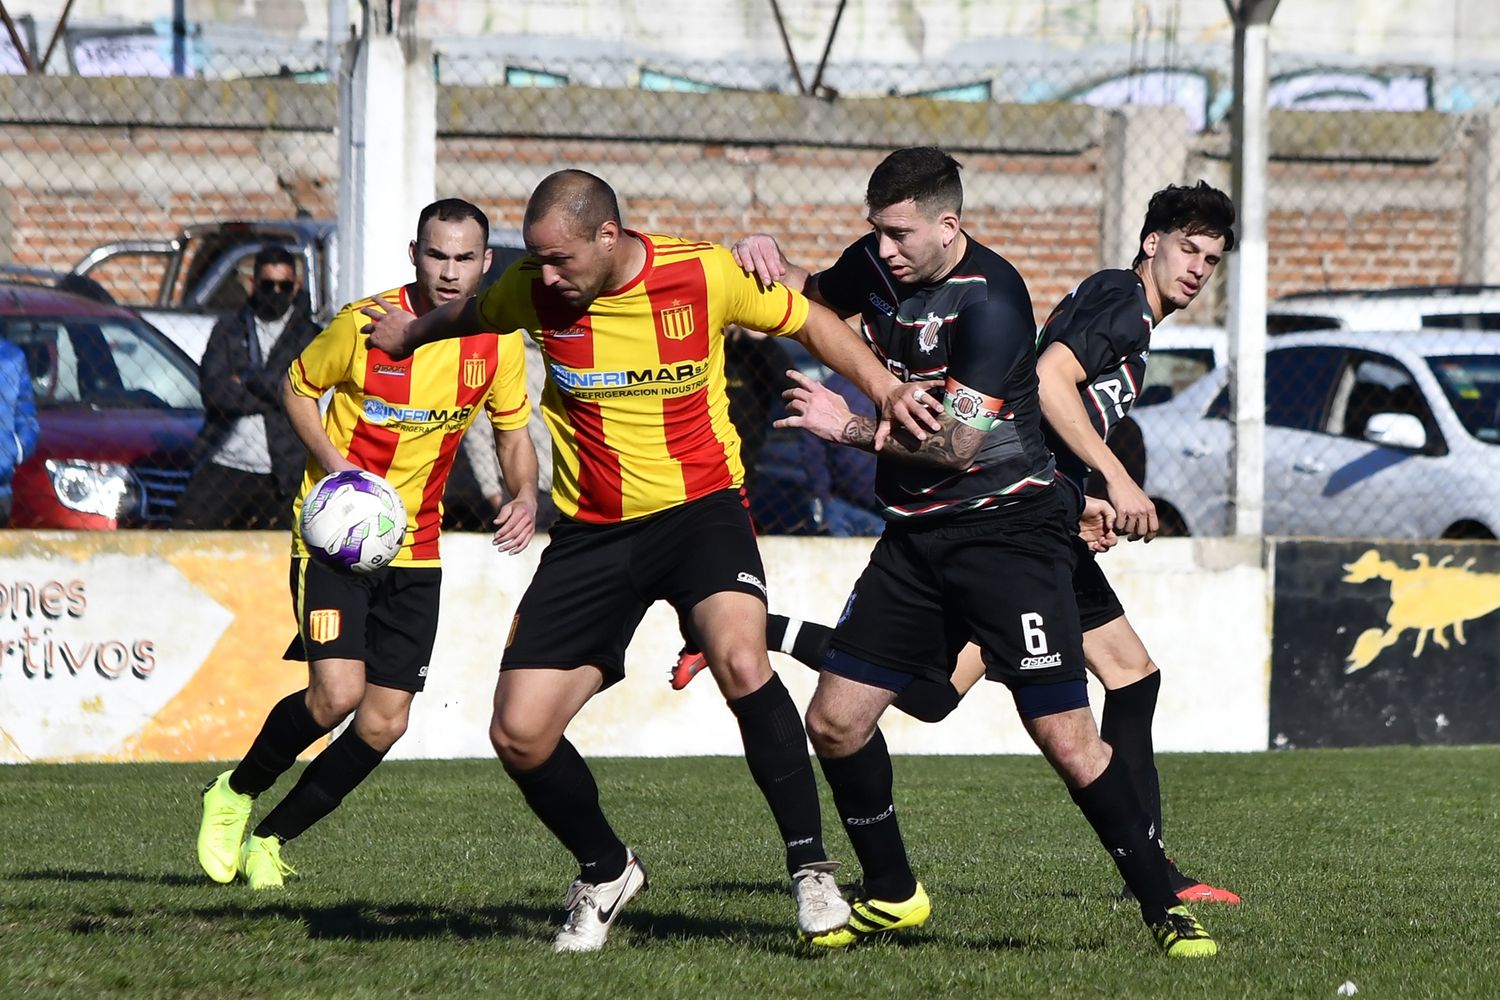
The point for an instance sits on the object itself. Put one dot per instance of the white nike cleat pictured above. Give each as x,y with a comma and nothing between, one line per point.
820,906
592,907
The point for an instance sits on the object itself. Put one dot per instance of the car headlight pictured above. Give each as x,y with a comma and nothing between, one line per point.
104,488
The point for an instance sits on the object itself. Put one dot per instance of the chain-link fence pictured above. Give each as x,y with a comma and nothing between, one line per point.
1380,178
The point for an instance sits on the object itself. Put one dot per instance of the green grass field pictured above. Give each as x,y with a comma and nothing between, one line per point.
1376,866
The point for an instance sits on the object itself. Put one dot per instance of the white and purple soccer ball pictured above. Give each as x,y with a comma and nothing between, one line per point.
353,521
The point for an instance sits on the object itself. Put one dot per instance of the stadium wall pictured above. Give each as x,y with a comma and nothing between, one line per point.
1356,199
167,646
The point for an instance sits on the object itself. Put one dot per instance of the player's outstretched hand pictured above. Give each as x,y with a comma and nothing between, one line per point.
387,328
914,407
816,409
1096,526
515,525
760,255
1135,514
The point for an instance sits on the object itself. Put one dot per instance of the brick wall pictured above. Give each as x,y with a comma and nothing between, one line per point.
1334,223
1365,225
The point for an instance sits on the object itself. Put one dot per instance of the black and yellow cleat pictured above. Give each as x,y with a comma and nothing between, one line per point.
1181,936
875,918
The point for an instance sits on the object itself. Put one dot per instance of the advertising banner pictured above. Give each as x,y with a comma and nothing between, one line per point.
1385,642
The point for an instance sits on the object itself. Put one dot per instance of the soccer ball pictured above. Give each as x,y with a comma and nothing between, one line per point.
353,521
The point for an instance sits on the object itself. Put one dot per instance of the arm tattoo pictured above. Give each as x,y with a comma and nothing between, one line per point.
859,432
953,447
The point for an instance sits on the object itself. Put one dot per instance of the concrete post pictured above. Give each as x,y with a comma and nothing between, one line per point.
1481,247
1248,271
1146,148
387,149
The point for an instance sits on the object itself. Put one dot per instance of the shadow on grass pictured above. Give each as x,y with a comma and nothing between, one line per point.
88,875
363,920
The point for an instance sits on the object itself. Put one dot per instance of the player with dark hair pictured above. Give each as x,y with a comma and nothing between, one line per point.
976,546
648,483
367,639
1092,362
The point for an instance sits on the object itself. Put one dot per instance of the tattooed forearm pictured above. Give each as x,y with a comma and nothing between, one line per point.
953,447
859,432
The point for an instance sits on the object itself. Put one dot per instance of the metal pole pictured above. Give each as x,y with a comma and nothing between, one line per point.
57,32
15,38
833,31
786,43
179,37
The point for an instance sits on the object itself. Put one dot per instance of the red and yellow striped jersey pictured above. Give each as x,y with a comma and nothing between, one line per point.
635,397
404,419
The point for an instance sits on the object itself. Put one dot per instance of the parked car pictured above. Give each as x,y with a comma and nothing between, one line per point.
1387,434
1181,354
1445,307
201,274
119,410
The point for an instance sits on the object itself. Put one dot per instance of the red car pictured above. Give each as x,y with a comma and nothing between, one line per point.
119,411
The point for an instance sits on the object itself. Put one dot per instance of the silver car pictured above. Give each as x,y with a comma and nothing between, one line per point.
1387,435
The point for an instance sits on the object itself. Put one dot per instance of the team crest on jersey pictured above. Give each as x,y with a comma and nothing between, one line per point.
927,337
677,322
474,372
323,625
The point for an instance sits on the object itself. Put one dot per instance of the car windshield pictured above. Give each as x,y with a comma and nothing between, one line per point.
1472,384
102,362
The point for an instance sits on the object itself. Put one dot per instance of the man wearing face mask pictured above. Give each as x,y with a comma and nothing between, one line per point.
249,462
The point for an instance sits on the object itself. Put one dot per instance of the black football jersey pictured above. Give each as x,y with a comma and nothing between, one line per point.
1106,323
975,326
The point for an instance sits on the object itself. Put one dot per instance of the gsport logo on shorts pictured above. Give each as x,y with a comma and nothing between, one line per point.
754,581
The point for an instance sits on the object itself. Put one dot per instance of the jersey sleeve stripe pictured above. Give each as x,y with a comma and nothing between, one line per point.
791,303
302,381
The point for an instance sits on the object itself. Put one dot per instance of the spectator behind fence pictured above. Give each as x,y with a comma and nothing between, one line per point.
841,480
18,427
755,375
479,447
248,463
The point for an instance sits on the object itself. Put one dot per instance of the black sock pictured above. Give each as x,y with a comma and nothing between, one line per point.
333,774
862,791
563,794
804,641
288,730
690,643
1112,808
1126,726
928,700
776,751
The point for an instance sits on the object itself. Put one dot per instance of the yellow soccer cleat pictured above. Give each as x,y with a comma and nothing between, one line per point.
1181,936
876,918
261,864
225,813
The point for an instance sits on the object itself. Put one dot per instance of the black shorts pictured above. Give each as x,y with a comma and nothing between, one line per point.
1002,579
1097,602
388,619
595,581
